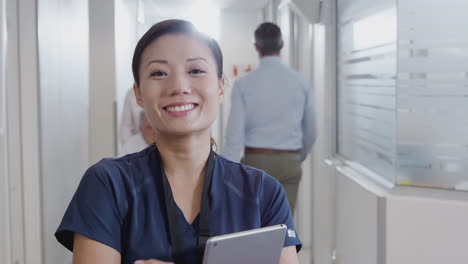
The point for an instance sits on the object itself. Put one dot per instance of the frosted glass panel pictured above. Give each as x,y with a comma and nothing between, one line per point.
366,64
433,93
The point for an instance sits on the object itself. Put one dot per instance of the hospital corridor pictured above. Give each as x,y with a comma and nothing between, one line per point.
363,105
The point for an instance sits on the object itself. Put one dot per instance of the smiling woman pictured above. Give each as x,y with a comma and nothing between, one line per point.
179,85
161,205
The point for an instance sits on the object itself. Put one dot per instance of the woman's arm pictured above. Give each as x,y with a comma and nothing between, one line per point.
88,251
289,255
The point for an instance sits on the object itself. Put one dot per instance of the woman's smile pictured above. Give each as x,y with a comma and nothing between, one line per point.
180,109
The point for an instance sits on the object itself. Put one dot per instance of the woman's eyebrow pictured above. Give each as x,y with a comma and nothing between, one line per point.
196,58
157,61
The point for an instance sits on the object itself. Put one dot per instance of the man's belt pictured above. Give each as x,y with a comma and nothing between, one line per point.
250,150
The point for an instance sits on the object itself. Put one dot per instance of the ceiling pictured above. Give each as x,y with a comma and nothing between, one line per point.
221,4
203,13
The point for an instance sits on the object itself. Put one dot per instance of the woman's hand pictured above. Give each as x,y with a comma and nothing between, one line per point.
151,261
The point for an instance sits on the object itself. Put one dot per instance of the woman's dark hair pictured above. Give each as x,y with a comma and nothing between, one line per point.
268,39
174,26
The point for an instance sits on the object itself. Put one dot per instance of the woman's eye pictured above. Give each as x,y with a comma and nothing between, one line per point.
196,71
157,74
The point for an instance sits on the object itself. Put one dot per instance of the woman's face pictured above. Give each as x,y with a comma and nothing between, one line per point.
179,87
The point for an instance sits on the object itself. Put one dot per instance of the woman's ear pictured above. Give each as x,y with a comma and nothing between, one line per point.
221,89
137,92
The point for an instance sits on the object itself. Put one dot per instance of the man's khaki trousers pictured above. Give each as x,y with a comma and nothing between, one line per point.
285,167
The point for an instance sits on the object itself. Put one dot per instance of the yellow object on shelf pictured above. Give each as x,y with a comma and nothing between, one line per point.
404,181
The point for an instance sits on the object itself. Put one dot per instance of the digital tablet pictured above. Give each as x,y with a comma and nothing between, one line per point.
255,246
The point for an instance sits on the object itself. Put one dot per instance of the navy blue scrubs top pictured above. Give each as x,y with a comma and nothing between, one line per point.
120,203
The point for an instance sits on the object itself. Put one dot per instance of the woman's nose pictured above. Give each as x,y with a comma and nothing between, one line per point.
179,84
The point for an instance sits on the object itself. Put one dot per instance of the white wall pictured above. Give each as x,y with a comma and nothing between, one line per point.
284,22
324,194
301,60
23,131
5,254
64,106
394,226
405,225
359,217
13,192
102,69
237,35
427,227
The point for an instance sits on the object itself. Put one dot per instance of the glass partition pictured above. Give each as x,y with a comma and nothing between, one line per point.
366,83
432,97
403,89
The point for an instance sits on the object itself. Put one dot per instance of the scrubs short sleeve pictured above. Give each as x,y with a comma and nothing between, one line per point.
275,210
93,211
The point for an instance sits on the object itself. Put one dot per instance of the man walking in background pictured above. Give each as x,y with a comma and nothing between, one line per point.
272,117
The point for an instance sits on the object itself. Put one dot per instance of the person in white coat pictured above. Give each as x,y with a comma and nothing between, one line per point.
130,121
142,139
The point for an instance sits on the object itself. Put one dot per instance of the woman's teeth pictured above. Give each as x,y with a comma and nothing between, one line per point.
180,108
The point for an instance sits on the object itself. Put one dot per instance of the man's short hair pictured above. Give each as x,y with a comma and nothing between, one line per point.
268,39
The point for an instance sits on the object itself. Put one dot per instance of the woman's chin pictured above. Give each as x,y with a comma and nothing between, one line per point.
188,131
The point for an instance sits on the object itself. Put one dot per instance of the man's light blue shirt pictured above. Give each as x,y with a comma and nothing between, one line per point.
271,107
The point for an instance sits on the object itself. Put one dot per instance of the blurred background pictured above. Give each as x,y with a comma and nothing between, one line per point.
387,179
